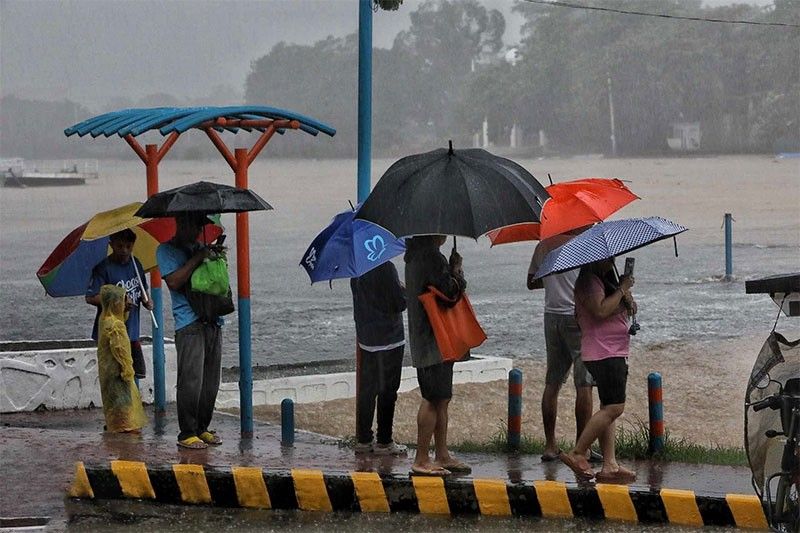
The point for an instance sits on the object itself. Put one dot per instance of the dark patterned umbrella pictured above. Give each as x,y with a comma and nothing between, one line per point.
606,240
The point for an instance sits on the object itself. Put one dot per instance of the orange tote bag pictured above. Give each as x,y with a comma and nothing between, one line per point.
454,323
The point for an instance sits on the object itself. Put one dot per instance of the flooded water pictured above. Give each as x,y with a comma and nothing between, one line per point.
679,298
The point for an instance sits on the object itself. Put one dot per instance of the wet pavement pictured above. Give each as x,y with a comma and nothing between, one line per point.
38,452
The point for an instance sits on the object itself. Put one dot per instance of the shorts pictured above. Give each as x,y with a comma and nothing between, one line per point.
611,377
139,368
436,381
563,340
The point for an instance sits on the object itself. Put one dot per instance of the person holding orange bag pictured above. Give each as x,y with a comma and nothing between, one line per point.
425,265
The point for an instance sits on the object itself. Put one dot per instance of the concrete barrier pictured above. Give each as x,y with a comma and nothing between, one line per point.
324,387
63,375
314,490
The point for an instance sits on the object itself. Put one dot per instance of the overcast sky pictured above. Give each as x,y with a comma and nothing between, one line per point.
91,51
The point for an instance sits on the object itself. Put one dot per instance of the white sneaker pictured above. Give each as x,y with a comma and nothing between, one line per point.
363,447
391,448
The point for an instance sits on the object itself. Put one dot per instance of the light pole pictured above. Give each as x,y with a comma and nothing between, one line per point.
611,118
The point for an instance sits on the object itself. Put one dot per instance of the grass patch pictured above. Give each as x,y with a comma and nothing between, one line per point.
631,443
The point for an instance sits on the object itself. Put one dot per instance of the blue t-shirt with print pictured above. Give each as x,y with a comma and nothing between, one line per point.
171,258
108,272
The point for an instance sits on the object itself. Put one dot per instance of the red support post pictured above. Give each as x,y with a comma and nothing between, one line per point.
242,227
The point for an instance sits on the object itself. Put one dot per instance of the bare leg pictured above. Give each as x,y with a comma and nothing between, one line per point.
426,423
440,432
600,422
549,414
607,445
583,410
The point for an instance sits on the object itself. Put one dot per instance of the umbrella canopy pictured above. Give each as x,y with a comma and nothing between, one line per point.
67,269
572,204
606,240
348,248
202,197
453,192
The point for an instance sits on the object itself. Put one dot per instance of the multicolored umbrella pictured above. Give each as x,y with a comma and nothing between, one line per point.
572,204
67,270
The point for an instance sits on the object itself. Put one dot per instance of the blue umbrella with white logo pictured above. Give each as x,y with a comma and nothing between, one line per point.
348,248
606,240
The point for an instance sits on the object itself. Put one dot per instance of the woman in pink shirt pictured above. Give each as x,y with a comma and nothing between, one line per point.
602,308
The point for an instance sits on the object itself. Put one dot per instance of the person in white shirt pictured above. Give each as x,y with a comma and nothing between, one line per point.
563,342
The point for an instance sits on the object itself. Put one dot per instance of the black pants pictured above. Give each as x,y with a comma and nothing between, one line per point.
199,349
379,379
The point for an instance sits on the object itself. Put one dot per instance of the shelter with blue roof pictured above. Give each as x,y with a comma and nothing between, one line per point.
171,122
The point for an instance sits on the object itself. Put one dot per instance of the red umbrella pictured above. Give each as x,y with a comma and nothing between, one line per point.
572,204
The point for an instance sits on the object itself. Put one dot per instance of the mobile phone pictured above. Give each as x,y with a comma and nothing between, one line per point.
629,262
221,239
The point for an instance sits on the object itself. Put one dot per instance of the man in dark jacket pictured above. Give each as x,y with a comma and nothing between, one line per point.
378,304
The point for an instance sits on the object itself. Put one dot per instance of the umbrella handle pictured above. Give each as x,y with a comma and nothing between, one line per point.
144,292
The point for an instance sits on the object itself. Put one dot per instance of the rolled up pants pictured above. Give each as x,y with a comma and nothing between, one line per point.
199,349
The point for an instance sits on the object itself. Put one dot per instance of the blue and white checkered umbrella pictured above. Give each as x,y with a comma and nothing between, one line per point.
606,240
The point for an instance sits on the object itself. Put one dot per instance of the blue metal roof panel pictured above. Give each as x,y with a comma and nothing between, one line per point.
179,119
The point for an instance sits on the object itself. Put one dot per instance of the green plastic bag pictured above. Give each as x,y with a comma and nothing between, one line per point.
211,277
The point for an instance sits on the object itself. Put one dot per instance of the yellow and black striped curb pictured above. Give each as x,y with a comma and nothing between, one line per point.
313,490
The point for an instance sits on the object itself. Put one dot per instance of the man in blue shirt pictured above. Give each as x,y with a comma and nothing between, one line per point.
120,268
198,343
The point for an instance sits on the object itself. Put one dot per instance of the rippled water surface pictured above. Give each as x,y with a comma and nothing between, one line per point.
679,297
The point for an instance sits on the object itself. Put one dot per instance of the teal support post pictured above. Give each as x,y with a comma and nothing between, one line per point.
159,374
245,370
364,98
728,247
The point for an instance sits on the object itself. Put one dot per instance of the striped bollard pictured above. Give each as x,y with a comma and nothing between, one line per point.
656,408
287,422
514,408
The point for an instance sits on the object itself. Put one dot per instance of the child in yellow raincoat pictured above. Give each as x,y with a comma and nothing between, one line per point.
122,404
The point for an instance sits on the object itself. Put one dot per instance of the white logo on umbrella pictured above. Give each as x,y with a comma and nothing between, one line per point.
375,246
311,258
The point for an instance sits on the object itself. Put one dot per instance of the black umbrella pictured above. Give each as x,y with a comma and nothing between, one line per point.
453,192
201,197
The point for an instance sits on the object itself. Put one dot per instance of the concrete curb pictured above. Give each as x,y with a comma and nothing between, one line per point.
313,490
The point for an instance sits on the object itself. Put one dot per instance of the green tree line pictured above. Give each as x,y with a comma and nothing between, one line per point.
449,71
446,74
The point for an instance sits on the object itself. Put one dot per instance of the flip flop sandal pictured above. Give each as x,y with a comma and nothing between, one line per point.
458,468
210,438
582,473
621,476
549,457
436,471
192,443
